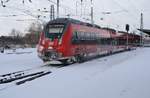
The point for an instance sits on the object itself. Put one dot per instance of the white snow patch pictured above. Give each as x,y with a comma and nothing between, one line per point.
123,75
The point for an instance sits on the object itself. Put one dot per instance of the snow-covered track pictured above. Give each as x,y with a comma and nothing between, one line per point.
29,74
33,77
20,76
18,52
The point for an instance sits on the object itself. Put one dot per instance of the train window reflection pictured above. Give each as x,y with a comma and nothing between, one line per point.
56,28
54,31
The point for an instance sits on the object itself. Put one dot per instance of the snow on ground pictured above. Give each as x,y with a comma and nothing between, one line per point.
21,59
123,75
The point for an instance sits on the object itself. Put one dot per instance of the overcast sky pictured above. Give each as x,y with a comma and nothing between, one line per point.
18,15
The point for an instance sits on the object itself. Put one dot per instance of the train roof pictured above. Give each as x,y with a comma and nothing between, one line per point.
106,28
122,31
74,21
147,31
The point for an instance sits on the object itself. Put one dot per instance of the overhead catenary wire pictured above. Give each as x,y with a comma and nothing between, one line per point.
33,13
63,6
27,12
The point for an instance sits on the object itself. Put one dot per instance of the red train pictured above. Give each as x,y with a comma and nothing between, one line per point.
69,40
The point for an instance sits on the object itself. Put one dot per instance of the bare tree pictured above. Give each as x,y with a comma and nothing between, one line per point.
34,32
35,27
15,33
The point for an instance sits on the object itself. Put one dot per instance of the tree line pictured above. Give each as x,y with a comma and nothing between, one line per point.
16,37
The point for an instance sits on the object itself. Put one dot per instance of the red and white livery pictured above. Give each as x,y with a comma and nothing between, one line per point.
69,40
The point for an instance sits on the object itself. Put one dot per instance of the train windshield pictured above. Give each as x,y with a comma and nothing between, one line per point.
54,31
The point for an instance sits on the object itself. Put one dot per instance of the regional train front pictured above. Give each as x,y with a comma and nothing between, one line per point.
49,47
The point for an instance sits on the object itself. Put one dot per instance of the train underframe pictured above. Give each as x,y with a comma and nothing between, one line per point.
82,56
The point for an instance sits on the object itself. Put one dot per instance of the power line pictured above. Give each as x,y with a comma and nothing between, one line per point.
27,12
13,15
63,6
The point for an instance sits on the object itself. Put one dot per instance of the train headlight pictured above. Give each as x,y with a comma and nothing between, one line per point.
50,47
43,42
53,55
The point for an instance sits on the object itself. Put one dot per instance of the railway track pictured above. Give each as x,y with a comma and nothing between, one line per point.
23,76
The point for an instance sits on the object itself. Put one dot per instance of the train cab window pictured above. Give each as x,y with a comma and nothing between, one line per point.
54,31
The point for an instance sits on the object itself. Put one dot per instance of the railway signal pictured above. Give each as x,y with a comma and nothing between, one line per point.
2,3
127,29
